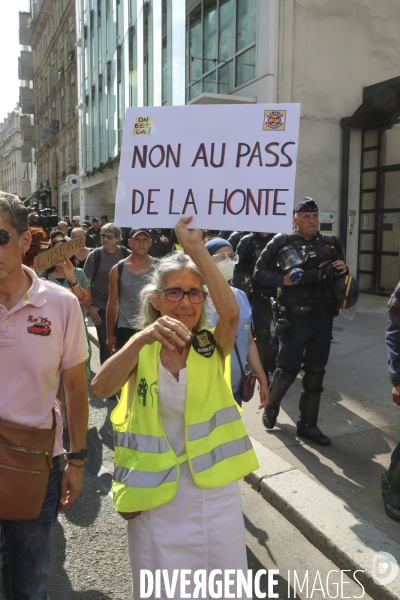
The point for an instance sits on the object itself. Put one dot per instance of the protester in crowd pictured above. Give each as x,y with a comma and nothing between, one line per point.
175,370
86,218
67,220
68,276
103,220
63,226
224,257
44,325
127,279
159,246
73,224
38,244
81,255
97,269
391,479
248,251
95,232
86,227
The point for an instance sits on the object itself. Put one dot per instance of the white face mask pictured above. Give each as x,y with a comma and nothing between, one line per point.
226,267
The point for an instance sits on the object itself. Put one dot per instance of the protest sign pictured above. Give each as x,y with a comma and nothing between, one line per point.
230,166
55,255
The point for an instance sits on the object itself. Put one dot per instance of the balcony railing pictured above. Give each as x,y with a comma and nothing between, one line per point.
51,130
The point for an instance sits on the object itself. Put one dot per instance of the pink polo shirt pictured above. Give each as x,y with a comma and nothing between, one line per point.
40,336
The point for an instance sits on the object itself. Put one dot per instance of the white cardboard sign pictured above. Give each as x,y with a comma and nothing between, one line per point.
231,167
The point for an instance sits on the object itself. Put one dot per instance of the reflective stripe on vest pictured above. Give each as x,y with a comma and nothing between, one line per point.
220,417
144,479
219,453
144,443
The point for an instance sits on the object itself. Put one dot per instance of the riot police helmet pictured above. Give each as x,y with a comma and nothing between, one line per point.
346,291
290,257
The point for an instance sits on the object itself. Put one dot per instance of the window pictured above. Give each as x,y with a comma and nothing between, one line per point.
221,38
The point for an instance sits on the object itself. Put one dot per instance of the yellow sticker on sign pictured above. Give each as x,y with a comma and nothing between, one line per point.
142,126
274,120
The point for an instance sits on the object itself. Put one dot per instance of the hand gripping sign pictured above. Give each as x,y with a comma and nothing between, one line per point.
230,166
51,257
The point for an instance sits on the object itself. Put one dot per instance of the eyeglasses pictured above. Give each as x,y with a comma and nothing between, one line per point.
4,237
108,236
176,294
223,255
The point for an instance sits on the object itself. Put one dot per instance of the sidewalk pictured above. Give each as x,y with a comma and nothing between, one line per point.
332,495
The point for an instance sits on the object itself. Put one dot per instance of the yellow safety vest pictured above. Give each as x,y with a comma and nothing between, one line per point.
218,448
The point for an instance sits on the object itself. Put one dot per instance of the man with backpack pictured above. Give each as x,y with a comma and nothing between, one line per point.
127,279
97,269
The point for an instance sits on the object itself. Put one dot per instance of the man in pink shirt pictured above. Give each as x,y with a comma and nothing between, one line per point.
41,334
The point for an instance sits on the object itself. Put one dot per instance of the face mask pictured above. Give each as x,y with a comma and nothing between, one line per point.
226,268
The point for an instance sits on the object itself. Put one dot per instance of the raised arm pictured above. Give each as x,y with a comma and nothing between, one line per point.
220,291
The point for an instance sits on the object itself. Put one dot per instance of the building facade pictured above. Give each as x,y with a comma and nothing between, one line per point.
49,30
340,61
15,175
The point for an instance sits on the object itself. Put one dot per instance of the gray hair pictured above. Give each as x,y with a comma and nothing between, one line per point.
172,263
111,228
17,213
77,229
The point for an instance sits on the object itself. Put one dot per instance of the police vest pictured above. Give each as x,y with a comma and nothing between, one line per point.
316,293
218,449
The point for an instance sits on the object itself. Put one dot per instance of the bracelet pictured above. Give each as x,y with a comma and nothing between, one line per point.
72,285
76,466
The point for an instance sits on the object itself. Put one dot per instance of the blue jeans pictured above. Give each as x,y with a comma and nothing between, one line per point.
28,544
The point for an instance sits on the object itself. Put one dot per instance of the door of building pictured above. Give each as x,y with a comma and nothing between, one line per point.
379,231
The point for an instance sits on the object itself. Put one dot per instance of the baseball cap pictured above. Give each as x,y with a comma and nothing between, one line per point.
95,220
134,232
104,217
306,205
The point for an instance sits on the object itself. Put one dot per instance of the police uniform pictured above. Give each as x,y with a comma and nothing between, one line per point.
304,327
391,479
249,251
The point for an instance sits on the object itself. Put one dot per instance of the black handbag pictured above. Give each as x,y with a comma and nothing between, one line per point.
248,383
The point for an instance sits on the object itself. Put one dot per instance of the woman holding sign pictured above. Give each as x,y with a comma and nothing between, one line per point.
180,443
65,274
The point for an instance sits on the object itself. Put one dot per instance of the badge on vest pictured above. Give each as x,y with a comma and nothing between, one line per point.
204,343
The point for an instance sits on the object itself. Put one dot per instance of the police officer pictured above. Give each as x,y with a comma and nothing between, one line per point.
248,251
302,266
391,479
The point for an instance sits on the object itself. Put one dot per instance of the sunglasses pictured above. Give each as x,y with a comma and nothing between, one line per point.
108,236
176,294
4,237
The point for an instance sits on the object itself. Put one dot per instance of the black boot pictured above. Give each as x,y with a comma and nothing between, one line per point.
309,408
280,385
391,492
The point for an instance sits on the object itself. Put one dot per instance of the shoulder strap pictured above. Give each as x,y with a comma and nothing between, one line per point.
97,261
239,360
120,266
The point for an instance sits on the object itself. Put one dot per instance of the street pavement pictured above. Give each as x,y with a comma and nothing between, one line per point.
357,413
90,558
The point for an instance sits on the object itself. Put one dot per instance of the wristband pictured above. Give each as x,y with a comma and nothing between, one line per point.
72,285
